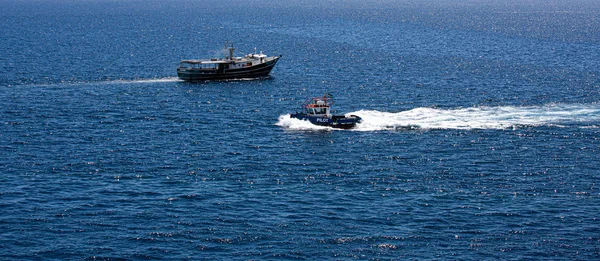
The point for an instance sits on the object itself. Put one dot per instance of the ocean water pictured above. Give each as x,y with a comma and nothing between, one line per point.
480,139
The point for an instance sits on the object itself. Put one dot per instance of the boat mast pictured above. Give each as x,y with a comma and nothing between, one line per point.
230,48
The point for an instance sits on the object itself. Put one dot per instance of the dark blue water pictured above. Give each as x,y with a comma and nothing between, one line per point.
480,139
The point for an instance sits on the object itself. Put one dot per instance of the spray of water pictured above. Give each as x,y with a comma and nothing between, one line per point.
296,124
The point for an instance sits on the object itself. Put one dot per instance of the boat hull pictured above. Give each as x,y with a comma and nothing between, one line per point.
338,122
256,71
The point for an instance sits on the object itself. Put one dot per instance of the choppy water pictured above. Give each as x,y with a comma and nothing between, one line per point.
480,137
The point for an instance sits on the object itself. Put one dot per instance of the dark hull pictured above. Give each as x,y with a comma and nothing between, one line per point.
257,71
339,122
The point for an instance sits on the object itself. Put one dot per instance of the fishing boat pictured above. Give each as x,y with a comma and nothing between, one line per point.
318,112
254,65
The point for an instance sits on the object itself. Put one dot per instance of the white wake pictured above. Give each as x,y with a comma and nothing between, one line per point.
504,117
296,124
154,80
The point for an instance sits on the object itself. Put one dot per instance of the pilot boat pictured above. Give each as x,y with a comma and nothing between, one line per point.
317,111
250,66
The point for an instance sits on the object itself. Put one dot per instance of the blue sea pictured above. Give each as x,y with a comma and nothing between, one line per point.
480,137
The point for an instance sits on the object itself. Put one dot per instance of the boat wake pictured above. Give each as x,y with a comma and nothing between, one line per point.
102,82
154,80
504,117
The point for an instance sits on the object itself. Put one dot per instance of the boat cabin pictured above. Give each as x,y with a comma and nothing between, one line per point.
318,107
198,65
